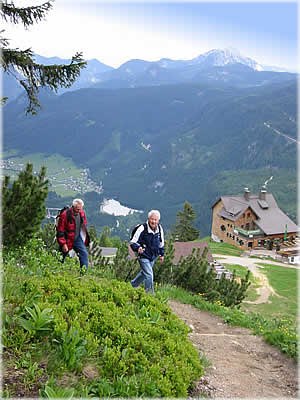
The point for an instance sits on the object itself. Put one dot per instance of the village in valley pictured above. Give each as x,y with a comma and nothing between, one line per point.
60,180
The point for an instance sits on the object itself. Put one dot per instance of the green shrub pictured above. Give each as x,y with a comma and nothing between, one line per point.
137,345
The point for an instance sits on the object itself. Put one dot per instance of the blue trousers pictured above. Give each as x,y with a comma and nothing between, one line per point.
81,250
145,275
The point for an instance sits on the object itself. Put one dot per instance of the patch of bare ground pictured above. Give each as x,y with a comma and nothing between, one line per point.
241,365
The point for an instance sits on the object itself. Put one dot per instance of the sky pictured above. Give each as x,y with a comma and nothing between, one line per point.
114,32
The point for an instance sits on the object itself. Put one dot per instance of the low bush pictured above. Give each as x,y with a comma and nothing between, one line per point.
67,322
195,274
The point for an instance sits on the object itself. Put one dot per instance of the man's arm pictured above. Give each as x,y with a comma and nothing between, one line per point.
60,235
136,241
162,243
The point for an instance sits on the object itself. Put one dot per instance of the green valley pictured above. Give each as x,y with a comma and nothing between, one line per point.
159,146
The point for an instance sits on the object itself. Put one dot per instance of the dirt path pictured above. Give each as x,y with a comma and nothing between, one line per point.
242,365
265,290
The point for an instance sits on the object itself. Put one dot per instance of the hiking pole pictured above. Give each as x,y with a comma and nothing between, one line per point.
132,268
143,246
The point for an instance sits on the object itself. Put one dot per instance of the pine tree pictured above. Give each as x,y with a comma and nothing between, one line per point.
23,205
48,235
194,274
232,292
124,268
93,234
20,63
184,231
105,240
163,272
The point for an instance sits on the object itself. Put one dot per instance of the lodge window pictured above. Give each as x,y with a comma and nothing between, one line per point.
223,228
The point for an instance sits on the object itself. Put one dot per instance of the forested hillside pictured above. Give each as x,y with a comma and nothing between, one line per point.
159,146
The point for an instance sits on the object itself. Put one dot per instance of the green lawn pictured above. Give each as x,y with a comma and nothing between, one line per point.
284,281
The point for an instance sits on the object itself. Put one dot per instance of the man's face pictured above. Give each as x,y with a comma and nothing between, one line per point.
76,208
153,221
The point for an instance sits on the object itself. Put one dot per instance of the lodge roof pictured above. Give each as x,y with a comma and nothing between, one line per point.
184,249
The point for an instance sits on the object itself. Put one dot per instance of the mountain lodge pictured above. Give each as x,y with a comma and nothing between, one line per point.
250,221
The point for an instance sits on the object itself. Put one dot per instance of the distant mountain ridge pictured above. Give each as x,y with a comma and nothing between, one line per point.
210,66
218,58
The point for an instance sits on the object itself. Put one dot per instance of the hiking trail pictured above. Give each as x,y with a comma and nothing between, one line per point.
242,365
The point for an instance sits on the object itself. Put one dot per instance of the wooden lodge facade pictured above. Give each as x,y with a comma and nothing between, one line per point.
250,221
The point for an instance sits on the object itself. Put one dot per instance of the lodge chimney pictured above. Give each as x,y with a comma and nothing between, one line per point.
262,193
246,194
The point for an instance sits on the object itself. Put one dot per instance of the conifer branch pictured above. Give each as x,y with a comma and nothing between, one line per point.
21,65
27,15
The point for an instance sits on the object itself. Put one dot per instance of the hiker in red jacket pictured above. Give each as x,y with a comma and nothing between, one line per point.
72,232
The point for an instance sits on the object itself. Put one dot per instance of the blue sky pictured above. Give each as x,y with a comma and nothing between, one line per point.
116,31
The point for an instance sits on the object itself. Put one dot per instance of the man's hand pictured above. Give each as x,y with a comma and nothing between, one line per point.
141,250
161,259
65,248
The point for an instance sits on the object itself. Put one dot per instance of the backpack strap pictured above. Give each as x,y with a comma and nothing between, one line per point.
69,215
69,220
159,228
145,230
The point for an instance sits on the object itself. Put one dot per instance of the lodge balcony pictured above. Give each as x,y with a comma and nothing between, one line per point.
249,234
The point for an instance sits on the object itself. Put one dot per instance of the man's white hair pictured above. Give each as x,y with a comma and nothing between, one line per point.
154,212
78,201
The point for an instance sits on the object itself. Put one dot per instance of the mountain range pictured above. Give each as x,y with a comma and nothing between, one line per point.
158,145
135,73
